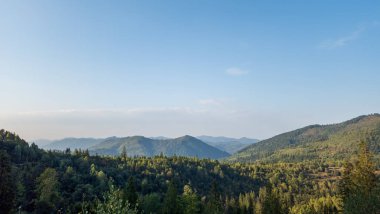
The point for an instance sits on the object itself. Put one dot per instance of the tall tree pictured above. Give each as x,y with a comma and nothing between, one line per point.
130,193
271,202
358,185
7,193
151,203
48,191
123,153
113,203
190,200
214,204
170,205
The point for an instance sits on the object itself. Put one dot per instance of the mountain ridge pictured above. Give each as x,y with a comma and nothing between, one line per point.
227,144
332,141
143,146
72,143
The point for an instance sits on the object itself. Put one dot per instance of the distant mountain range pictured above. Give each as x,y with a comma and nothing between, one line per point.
142,146
72,143
230,145
216,147
42,142
316,142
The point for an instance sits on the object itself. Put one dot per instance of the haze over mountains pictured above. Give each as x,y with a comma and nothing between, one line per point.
335,141
142,146
227,144
224,144
72,143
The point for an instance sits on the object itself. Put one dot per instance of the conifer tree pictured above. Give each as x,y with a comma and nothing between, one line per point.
170,205
7,194
271,202
214,204
113,203
190,200
358,185
130,193
48,191
123,153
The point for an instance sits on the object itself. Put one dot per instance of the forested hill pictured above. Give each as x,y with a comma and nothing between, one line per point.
142,146
229,145
316,142
38,181
72,143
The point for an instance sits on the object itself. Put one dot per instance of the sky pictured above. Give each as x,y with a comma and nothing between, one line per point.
170,68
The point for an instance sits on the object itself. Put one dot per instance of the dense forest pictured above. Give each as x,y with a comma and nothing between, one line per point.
323,142
38,181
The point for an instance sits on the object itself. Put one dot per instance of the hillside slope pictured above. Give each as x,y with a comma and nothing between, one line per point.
230,145
142,146
72,143
336,141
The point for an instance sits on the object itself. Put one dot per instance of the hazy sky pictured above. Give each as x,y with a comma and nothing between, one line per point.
232,68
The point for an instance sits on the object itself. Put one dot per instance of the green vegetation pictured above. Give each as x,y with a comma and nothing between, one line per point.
114,203
7,194
72,143
142,146
335,142
358,186
38,181
47,189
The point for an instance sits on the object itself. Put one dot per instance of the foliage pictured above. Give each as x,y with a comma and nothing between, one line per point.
317,142
142,146
7,194
48,195
190,200
75,182
130,193
359,186
114,203
171,201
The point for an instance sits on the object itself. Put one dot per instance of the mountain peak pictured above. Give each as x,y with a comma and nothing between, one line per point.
187,138
142,146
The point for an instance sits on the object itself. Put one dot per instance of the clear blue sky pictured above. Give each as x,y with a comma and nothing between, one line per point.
235,68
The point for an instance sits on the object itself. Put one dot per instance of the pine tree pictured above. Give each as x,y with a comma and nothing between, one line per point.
364,171
214,204
345,184
7,193
123,153
113,203
190,200
170,205
130,193
48,191
151,203
9,136
271,202
358,185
